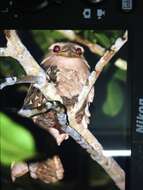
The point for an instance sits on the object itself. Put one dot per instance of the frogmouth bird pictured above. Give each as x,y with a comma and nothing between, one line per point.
67,68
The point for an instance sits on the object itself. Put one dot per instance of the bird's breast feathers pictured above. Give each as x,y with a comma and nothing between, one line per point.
71,74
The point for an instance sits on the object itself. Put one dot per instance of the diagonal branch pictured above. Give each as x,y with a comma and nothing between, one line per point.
84,137
89,142
104,60
18,51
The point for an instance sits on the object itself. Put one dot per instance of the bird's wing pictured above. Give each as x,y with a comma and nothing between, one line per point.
47,120
33,99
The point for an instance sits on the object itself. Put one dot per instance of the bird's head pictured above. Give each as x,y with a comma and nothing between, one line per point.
66,49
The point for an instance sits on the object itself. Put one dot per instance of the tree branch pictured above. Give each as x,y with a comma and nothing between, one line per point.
104,60
18,51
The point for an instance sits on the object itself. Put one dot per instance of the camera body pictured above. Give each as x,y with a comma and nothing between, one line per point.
65,13
100,15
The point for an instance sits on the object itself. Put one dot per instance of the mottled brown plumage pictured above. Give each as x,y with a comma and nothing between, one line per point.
68,70
49,171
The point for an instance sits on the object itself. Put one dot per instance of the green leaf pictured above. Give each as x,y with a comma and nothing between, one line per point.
44,38
16,142
114,101
121,75
103,39
10,67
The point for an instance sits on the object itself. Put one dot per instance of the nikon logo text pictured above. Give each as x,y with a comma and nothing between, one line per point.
139,118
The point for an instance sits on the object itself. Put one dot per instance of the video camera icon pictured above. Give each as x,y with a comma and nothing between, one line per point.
100,13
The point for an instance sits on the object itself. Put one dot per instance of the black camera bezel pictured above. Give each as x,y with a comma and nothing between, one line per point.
115,18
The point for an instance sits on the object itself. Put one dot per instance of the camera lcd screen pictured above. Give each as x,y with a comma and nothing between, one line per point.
71,60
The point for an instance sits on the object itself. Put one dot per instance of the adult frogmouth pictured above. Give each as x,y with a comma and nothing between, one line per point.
67,68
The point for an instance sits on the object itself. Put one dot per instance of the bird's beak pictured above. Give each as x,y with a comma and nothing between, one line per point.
69,52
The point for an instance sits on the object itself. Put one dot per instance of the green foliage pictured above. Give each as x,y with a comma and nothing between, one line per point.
16,142
10,67
114,99
105,37
120,75
45,38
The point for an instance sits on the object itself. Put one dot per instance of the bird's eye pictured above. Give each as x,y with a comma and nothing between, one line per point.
78,51
56,49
